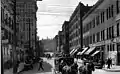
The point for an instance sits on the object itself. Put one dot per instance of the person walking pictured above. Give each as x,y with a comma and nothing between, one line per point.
40,64
108,63
74,68
90,67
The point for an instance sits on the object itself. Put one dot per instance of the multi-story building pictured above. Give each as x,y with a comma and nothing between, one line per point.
101,30
56,41
60,41
26,10
65,29
74,26
7,24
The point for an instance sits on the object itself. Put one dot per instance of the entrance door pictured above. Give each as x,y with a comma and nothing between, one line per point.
118,54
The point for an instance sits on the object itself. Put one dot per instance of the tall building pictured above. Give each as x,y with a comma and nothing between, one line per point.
101,31
75,28
7,24
65,29
26,10
60,41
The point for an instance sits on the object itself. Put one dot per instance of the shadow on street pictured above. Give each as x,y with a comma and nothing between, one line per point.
47,68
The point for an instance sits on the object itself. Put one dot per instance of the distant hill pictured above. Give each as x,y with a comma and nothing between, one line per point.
49,45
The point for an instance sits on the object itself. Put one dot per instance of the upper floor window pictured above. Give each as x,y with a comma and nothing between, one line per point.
118,32
117,6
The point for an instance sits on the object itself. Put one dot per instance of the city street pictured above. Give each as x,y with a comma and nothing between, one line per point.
49,65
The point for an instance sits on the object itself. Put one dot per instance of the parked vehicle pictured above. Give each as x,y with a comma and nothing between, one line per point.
58,60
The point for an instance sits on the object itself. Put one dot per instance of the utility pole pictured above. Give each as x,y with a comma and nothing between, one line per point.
14,41
81,28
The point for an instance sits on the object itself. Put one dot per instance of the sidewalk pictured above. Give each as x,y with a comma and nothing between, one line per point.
10,71
114,68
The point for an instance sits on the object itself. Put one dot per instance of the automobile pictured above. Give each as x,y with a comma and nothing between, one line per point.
58,60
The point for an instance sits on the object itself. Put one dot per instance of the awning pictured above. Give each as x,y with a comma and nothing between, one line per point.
79,53
95,53
75,51
85,49
90,50
72,51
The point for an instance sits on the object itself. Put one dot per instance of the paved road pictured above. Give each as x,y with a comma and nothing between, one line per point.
49,65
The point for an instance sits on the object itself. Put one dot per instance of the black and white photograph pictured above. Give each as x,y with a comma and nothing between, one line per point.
60,36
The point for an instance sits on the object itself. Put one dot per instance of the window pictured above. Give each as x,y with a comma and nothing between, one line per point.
107,13
93,38
118,33
93,23
98,36
102,17
108,47
97,20
113,47
117,6
103,34
112,28
90,39
110,32
112,11
107,33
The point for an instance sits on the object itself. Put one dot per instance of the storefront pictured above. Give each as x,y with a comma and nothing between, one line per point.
118,53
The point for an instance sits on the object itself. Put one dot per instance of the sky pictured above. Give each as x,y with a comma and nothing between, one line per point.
51,14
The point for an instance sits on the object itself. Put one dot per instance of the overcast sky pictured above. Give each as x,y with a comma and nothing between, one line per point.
51,15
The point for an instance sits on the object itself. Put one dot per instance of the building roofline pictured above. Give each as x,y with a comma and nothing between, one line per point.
92,9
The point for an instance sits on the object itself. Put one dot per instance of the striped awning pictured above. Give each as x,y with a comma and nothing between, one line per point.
95,53
72,51
85,49
90,50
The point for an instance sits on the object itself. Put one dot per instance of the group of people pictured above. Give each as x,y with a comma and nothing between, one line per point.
85,68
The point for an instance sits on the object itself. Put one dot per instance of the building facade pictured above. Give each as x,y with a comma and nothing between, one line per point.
101,30
74,26
26,10
7,31
65,29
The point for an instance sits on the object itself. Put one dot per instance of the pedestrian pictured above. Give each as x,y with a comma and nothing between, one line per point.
90,67
82,69
108,63
40,64
74,68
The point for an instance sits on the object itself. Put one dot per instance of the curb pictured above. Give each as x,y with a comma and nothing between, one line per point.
111,70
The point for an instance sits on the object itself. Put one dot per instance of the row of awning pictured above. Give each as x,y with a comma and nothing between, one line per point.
85,51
